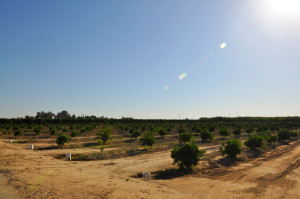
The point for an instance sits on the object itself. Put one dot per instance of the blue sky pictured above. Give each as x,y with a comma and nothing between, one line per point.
123,58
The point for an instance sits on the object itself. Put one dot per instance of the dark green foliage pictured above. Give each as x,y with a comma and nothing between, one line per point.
284,134
74,134
135,134
181,130
293,134
162,132
62,139
271,138
185,137
65,129
83,130
249,130
18,133
231,148
148,139
187,155
224,132
237,132
105,134
38,130
206,135
53,132
211,129
254,142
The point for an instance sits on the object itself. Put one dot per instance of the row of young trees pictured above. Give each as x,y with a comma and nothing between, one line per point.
187,155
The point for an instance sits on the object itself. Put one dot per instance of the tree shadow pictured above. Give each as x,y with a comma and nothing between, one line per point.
90,144
227,161
130,141
48,148
166,174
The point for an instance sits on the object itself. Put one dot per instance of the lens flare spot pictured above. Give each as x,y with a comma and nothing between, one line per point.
223,45
182,76
166,88
210,54
205,58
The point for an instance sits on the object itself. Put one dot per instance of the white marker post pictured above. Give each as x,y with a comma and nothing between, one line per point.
147,176
68,156
31,147
10,141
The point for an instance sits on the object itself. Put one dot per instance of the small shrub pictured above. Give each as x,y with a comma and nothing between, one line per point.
62,139
231,148
271,138
105,134
211,129
148,140
53,132
237,132
284,134
249,130
38,130
224,132
254,142
185,137
74,134
181,130
18,133
206,135
187,155
135,134
162,132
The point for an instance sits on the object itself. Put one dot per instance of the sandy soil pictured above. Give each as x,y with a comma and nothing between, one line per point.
36,174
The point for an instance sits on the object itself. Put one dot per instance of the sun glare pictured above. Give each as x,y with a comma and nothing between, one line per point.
286,8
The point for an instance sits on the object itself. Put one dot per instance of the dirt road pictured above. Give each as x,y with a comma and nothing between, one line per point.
38,175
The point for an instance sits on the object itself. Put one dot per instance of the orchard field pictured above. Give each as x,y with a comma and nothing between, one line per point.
244,157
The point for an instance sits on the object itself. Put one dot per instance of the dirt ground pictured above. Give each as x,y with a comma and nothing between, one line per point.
36,174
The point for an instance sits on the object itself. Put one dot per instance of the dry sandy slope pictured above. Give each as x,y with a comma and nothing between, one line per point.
37,175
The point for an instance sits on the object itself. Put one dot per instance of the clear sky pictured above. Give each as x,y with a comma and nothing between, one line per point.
124,58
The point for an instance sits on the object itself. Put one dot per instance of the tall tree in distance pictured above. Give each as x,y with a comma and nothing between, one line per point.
63,115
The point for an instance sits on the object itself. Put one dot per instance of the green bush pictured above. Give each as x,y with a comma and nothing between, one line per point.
237,132
187,155
249,130
206,135
18,133
224,132
185,137
105,134
74,134
284,134
148,139
231,148
162,132
254,142
211,129
53,132
62,139
271,138
38,130
181,130
135,134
